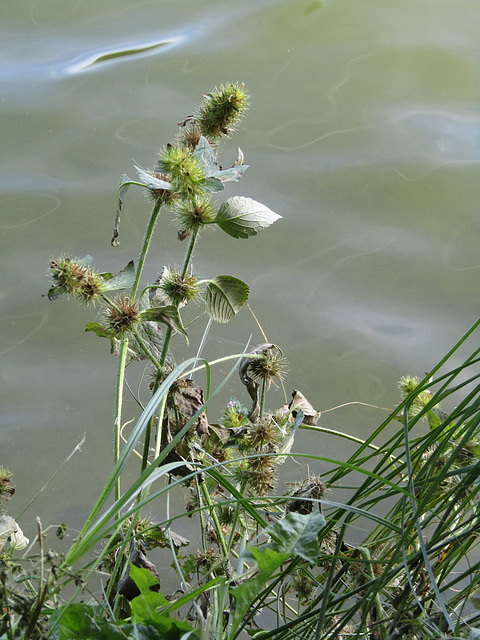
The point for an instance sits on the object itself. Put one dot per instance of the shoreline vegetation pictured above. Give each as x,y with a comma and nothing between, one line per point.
271,560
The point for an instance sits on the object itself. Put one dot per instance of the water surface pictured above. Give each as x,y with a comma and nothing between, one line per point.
363,134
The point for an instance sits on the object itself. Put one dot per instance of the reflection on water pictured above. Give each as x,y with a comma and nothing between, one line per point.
437,136
363,134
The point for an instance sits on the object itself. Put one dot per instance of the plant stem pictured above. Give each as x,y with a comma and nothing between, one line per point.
122,361
146,243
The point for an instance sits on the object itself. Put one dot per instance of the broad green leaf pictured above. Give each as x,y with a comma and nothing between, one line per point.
168,314
242,217
224,297
268,561
145,608
122,280
297,533
77,620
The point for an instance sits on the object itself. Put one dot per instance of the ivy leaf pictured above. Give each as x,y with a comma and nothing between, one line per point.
242,217
168,314
122,280
224,296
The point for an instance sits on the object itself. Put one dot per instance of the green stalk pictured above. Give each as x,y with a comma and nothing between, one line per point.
122,363
146,244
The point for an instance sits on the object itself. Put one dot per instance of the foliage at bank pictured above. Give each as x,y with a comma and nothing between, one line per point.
381,545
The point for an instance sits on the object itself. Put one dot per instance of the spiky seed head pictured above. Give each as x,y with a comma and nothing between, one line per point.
266,369
261,474
221,111
194,213
190,134
121,317
75,278
184,170
179,289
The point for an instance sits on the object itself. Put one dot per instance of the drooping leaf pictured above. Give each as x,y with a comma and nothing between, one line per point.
297,533
151,181
122,280
299,402
224,296
168,314
242,217
125,182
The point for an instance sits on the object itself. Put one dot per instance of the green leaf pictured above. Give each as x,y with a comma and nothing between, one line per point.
151,181
297,533
268,561
224,296
242,217
168,314
145,608
99,329
215,176
122,280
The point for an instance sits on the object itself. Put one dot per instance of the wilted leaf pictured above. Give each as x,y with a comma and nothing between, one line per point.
224,296
168,314
125,182
311,417
242,217
54,292
122,280
9,530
